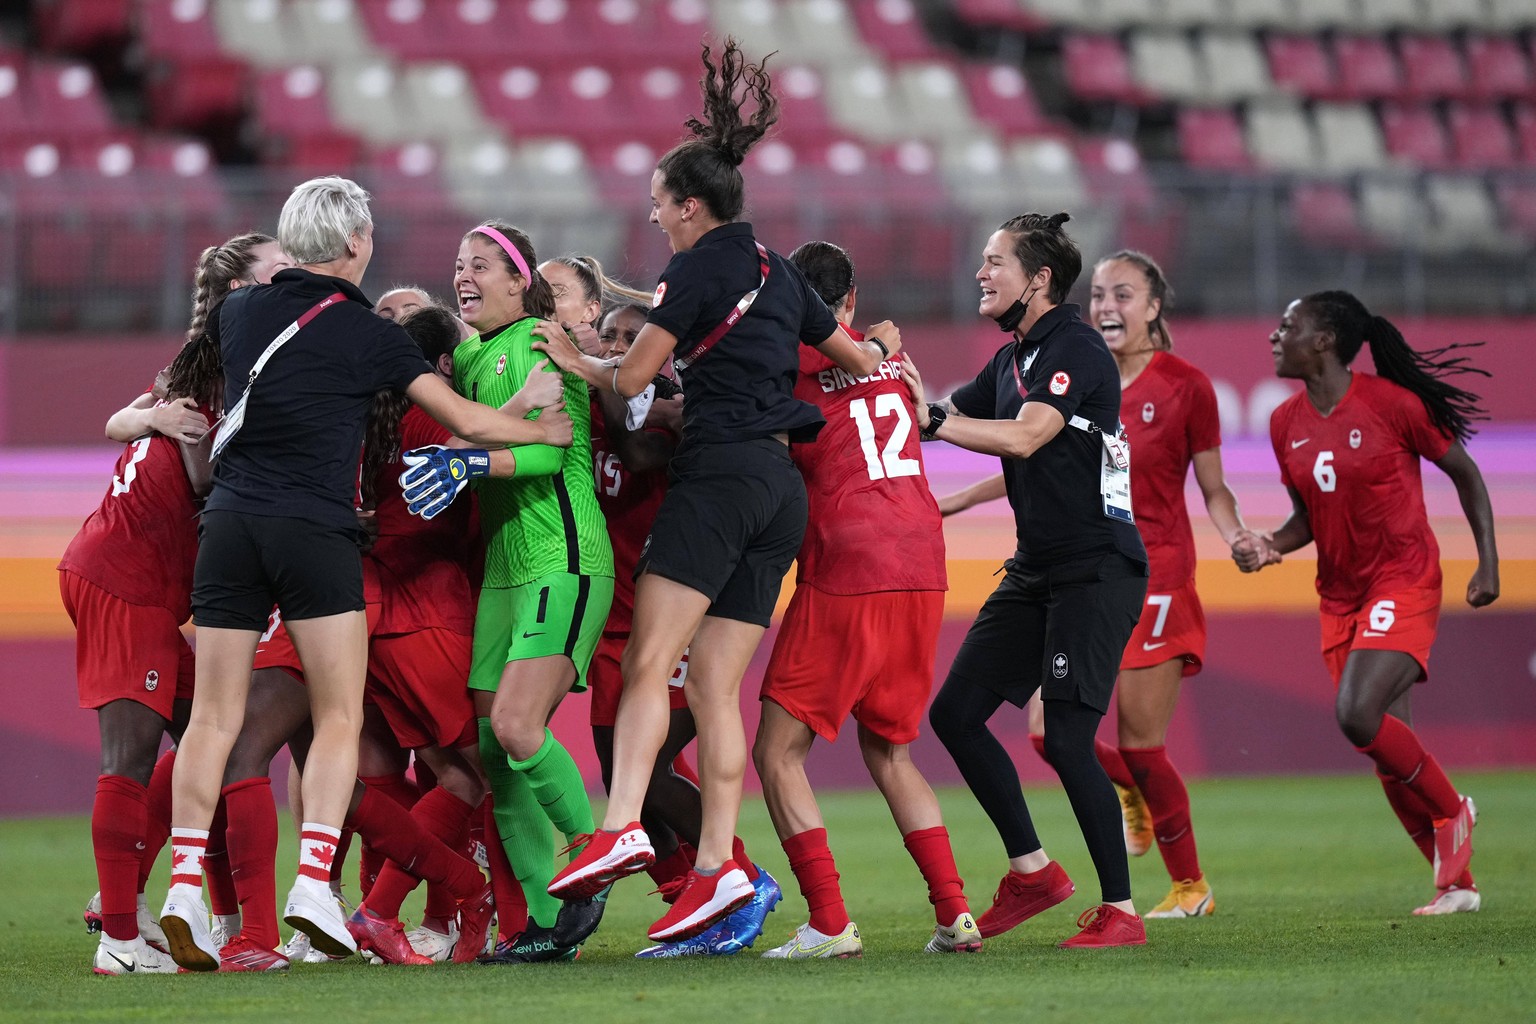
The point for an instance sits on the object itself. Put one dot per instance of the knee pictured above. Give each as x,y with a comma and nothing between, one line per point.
520,735
1358,721
1061,749
948,723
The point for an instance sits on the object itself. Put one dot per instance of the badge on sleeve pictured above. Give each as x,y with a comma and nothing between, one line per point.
501,365
1060,382
661,293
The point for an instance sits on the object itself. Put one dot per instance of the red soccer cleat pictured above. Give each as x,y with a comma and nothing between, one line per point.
386,938
475,916
1020,897
1105,925
241,954
1453,844
608,857
702,902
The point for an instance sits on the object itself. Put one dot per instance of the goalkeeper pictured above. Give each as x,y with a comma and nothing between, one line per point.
548,582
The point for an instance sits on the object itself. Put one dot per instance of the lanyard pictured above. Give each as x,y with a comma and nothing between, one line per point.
742,306
1018,379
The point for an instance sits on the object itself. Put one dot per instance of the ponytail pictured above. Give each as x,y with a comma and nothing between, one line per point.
198,369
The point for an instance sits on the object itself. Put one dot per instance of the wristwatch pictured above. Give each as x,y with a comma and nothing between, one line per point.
937,414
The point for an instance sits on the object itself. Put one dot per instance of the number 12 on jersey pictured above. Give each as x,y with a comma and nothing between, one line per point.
887,462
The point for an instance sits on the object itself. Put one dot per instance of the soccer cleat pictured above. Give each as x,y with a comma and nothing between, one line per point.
318,915
136,957
433,944
1453,899
810,944
960,937
1453,844
1105,925
699,945
605,858
533,946
184,920
702,902
385,938
738,931
578,919
1190,897
92,914
149,928
1020,898
244,955
1139,836
475,916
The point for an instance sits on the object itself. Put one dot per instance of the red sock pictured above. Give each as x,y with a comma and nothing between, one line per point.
403,792
935,858
511,905
1038,742
670,868
1417,819
390,830
1398,753
682,768
251,837
1168,801
439,813
117,828
739,855
158,824
425,778
1114,765
811,861
222,896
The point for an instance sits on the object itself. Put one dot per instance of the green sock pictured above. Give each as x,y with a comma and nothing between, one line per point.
556,782
523,828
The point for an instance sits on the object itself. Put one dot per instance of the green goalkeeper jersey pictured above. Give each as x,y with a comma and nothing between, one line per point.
545,519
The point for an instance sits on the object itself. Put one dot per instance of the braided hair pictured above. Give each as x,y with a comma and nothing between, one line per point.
1451,408
435,331
198,369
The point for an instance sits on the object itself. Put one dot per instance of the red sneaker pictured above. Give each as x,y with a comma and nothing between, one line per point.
475,916
243,954
702,902
608,857
1020,897
1105,925
386,939
1453,844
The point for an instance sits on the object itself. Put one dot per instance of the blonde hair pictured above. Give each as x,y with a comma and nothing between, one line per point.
320,217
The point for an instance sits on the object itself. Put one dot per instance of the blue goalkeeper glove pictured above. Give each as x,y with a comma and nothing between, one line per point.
435,475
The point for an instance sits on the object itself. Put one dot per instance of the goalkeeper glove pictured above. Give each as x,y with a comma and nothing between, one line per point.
435,475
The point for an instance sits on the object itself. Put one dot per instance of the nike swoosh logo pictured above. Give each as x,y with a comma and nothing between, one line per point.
130,968
1298,444
1153,647
530,636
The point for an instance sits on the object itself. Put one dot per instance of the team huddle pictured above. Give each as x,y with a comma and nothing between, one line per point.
405,533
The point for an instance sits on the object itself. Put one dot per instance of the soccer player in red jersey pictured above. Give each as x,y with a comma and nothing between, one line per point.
126,582
871,585
1349,447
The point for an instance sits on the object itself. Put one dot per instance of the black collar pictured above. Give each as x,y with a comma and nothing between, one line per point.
325,281
735,229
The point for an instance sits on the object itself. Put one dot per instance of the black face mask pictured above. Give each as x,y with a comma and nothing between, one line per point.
1011,317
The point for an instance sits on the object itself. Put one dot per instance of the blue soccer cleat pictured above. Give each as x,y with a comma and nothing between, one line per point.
742,928
696,946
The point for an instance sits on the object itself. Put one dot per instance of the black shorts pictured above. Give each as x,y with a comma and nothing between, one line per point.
246,564
730,525
1059,629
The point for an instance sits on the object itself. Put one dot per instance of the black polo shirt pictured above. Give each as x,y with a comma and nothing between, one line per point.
744,387
1057,506
297,454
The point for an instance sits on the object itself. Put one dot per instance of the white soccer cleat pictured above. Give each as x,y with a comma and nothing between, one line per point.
433,944
92,914
150,928
313,910
810,944
184,919
1452,900
136,957
960,937
225,929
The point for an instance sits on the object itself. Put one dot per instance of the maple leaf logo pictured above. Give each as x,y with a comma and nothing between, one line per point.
177,860
323,855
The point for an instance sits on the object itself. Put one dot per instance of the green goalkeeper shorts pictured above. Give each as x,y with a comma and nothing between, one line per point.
561,613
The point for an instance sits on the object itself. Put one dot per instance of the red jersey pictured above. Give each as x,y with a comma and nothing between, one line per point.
141,542
422,565
873,522
1169,412
1357,471
629,502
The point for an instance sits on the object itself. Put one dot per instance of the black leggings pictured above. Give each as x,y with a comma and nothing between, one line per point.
960,714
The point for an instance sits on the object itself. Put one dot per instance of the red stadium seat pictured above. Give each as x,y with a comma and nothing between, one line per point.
196,93
622,167
663,97
1499,67
1481,137
1005,14
412,29
1432,68
15,109
1114,171
67,97
292,102
1525,132
1098,69
81,26
1367,69
802,103
177,30
1413,133
1300,65
894,28
1324,212
579,101
1212,139
647,30
1001,96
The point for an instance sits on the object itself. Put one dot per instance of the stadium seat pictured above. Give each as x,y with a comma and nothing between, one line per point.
1261,14
196,93
1113,172
1321,15
1194,13
292,102
256,30
979,178
1280,136
1388,15
1097,69
15,108
1234,67
1067,13
82,26
1300,65
621,169
763,22
803,112
1499,69
1047,175
1465,216
328,30
1517,200
1348,137
1392,210
1510,15
1480,137
646,30
933,100
368,98
554,99
410,29
1001,96
1165,65
894,29
1124,14
1367,69
1324,212
863,99
1525,132
66,97
1414,135
1432,68
825,30
1009,15
663,97
1446,15
1212,139
176,30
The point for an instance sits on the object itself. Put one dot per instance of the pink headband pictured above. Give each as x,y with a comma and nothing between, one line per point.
502,240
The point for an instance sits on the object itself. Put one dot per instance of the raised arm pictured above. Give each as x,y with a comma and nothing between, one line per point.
1483,588
862,358
626,377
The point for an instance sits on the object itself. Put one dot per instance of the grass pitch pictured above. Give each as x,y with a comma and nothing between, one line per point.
1314,883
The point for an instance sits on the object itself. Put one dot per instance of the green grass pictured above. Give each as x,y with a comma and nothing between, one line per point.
1313,877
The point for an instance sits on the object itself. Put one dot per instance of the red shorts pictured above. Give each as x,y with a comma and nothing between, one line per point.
605,681
1399,620
275,648
126,651
422,687
1172,625
865,655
